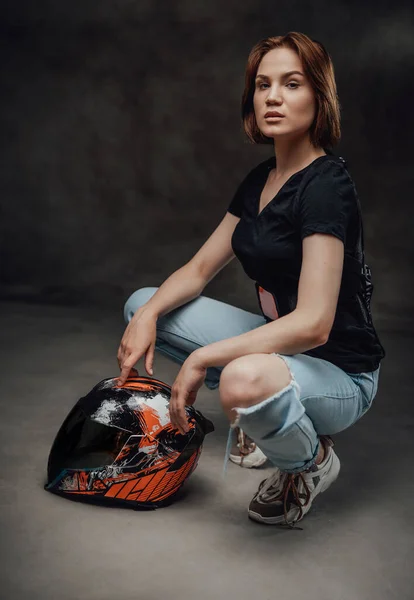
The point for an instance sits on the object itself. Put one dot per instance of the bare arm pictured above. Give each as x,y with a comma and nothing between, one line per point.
188,282
182,286
306,327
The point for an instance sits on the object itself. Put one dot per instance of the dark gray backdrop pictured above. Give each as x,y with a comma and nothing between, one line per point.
122,142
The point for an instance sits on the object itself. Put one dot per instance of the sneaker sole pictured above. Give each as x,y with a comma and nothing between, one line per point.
333,475
238,461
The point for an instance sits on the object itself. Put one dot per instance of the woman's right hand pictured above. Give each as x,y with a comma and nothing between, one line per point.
139,338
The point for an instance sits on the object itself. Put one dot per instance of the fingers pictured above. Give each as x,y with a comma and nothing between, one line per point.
125,369
126,364
149,359
124,346
121,355
125,355
179,421
178,415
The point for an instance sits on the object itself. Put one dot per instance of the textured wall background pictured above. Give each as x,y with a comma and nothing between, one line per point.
122,142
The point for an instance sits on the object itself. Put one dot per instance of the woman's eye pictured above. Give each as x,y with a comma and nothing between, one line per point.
290,83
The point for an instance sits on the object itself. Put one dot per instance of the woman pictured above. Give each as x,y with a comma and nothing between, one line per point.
308,366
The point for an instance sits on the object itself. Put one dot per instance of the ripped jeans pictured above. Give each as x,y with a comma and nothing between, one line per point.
321,398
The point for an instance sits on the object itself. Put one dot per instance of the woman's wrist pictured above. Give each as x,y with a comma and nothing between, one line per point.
199,357
147,311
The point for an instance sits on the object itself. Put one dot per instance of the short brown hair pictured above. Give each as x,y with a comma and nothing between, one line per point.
325,131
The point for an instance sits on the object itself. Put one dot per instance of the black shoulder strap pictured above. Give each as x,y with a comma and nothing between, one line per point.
360,242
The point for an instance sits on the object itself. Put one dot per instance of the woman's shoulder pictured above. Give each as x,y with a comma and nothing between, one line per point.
328,169
326,164
331,171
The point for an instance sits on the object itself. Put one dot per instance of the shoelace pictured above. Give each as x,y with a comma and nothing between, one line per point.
290,485
245,443
246,446
271,491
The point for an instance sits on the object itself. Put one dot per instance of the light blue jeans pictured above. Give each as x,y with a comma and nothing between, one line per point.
320,399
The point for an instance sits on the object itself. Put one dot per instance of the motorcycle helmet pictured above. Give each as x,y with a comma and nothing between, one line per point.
117,446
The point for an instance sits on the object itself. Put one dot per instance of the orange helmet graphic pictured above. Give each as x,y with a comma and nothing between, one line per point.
117,446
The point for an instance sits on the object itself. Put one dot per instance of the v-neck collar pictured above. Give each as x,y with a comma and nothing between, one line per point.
270,164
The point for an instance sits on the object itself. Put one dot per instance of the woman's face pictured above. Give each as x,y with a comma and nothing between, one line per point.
291,95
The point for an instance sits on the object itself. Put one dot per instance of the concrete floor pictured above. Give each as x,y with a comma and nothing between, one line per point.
356,543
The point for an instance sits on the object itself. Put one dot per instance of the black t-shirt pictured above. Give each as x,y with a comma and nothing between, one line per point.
269,248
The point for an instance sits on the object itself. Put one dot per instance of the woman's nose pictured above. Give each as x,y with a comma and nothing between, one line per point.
274,96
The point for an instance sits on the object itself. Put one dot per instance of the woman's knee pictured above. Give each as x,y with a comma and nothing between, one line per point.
252,378
136,300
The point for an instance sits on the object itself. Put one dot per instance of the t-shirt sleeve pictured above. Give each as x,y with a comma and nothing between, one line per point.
236,205
327,203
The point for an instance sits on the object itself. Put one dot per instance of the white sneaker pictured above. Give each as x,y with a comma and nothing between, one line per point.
245,452
285,498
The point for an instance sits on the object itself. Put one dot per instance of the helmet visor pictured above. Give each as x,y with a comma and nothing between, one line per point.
83,443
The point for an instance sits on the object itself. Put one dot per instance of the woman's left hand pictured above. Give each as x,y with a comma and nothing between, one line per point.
184,391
